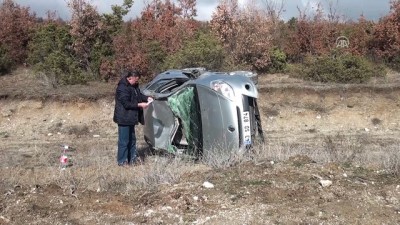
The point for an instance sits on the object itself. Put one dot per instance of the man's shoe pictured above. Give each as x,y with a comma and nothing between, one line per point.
124,164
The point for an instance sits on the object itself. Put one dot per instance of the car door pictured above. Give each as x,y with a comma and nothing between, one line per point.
160,122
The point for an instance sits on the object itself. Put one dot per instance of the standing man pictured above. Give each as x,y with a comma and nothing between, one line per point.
128,102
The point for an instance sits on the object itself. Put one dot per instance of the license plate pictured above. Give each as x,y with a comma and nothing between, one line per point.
246,128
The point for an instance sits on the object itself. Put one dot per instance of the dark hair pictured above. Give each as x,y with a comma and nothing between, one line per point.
131,73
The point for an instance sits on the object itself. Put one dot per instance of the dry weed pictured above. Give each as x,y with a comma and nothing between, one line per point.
94,167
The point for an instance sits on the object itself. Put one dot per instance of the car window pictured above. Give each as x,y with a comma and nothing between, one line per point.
157,85
170,86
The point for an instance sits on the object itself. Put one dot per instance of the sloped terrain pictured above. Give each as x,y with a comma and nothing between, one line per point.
332,156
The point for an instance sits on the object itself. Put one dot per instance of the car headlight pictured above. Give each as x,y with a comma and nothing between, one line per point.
223,88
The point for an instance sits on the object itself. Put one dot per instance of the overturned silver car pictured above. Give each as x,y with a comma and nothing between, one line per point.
197,112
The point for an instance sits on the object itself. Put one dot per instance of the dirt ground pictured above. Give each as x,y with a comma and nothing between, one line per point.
331,157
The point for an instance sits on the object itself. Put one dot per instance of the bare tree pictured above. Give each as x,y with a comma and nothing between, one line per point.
274,9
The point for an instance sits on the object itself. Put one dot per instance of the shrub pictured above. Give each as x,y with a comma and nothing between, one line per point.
340,69
245,33
48,38
5,62
203,51
51,55
155,55
278,61
93,35
231,64
62,68
16,24
394,63
310,34
386,37
161,30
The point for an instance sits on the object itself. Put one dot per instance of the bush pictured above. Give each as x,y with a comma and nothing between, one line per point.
386,38
394,63
50,54
231,64
246,34
155,55
62,68
278,61
203,51
16,24
340,69
5,62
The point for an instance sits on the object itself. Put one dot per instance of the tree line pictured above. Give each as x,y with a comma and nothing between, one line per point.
93,46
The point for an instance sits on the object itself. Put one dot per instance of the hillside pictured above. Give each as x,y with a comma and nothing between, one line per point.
347,134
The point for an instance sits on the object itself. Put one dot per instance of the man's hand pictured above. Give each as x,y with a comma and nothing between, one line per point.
150,99
143,105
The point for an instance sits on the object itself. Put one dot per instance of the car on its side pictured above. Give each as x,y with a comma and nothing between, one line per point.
252,75
198,112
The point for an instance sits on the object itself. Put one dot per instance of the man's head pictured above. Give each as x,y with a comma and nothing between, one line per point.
132,76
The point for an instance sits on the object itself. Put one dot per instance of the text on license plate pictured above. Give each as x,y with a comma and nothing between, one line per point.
246,128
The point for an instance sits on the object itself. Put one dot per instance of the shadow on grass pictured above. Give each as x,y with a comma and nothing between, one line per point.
145,152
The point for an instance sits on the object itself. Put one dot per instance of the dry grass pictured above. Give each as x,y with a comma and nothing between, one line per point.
96,170
23,83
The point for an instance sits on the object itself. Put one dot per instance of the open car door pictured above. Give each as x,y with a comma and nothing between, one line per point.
160,124
163,129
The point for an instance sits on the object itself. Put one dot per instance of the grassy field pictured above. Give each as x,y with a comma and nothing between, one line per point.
346,134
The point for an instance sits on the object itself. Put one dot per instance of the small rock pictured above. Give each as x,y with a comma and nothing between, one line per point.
207,184
50,134
96,136
4,219
318,116
4,134
6,112
344,175
272,162
325,183
366,130
148,213
166,208
195,198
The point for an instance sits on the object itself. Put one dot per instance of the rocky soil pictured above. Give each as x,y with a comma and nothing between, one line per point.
332,157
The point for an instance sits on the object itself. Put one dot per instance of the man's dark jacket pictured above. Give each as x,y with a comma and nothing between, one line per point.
127,97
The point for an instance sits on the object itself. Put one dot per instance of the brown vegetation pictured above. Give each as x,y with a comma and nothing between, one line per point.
386,43
17,23
101,45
